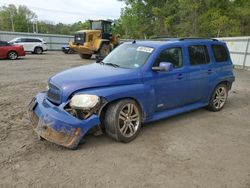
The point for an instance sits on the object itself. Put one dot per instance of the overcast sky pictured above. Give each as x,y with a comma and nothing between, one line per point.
70,11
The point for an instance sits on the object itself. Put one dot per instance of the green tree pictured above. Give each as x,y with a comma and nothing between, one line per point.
16,19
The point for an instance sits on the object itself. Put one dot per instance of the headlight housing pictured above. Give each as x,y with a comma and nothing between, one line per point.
84,101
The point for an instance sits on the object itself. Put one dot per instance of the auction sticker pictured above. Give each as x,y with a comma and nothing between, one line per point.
145,49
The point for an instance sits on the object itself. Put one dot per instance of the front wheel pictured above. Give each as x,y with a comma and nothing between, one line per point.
219,98
123,120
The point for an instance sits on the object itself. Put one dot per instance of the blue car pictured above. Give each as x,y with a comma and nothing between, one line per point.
138,82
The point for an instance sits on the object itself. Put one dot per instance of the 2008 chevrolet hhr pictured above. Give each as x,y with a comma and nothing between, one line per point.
138,82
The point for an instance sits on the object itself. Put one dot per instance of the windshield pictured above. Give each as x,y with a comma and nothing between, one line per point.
129,56
96,25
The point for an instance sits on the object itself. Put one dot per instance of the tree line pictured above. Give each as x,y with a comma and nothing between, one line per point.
184,18
149,18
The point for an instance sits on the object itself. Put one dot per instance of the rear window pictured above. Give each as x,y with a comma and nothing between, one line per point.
198,55
220,53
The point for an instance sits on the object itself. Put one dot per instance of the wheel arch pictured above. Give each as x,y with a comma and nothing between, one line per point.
108,103
226,82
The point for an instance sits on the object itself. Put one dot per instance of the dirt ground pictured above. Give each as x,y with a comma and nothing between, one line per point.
195,149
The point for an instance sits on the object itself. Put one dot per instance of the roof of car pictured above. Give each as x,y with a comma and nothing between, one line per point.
159,42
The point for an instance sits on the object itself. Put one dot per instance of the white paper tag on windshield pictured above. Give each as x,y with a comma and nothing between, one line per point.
145,49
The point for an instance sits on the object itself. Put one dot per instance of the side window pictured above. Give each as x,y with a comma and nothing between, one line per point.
18,40
2,43
171,55
198,55
23,40
32,40
220,53
36,40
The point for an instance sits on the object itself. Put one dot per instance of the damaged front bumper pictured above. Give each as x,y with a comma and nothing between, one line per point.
54,124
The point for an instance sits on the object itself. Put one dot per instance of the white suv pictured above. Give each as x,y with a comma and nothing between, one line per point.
34,45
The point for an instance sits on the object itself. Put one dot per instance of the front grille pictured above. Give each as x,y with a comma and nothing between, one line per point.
54,94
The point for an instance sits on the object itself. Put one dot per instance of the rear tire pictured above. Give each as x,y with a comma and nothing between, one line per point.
123,120
12,55
38,50
219,98
85,56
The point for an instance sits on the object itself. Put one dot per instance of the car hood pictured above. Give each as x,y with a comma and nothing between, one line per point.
92,76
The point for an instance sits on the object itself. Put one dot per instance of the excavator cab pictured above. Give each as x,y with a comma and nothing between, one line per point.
104,26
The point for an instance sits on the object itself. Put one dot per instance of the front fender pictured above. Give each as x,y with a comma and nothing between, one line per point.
143,94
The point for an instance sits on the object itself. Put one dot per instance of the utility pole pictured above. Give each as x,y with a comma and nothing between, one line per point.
36,27
12,22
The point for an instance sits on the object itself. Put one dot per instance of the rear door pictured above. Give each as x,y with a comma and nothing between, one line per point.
200,73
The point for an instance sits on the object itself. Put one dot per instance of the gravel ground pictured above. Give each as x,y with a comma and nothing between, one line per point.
195,149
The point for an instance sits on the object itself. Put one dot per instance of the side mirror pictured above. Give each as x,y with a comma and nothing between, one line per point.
164,66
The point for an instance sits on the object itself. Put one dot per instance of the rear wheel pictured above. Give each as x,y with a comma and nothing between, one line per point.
219,98
85,56
123,120
38,50
12,55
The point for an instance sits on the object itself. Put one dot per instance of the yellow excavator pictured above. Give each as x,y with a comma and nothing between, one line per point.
97,40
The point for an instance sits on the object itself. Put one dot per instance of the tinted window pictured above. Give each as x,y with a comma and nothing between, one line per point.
3,43
220,53
22,40
171,55
18,40
32,40
198,54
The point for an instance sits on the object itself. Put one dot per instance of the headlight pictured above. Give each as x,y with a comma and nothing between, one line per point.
84,101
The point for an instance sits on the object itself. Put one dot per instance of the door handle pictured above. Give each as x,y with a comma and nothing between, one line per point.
180,76
209,71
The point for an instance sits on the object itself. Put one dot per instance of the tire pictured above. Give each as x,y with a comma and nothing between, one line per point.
71,51
119,123
219,98
38,50
104,50
12,55
85,56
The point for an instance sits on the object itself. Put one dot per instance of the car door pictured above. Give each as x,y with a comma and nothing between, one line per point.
200,73
26,45
3,49
170,87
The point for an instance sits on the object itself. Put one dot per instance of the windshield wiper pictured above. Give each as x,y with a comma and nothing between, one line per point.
100,62
112,64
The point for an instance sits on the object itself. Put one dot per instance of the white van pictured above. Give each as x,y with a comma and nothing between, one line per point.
34,45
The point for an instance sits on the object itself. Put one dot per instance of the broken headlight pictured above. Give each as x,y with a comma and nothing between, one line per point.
84,101
83,106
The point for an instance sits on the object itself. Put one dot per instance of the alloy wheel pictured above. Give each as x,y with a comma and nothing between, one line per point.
220,97
129,120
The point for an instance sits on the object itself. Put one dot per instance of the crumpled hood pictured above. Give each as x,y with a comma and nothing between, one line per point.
91,76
